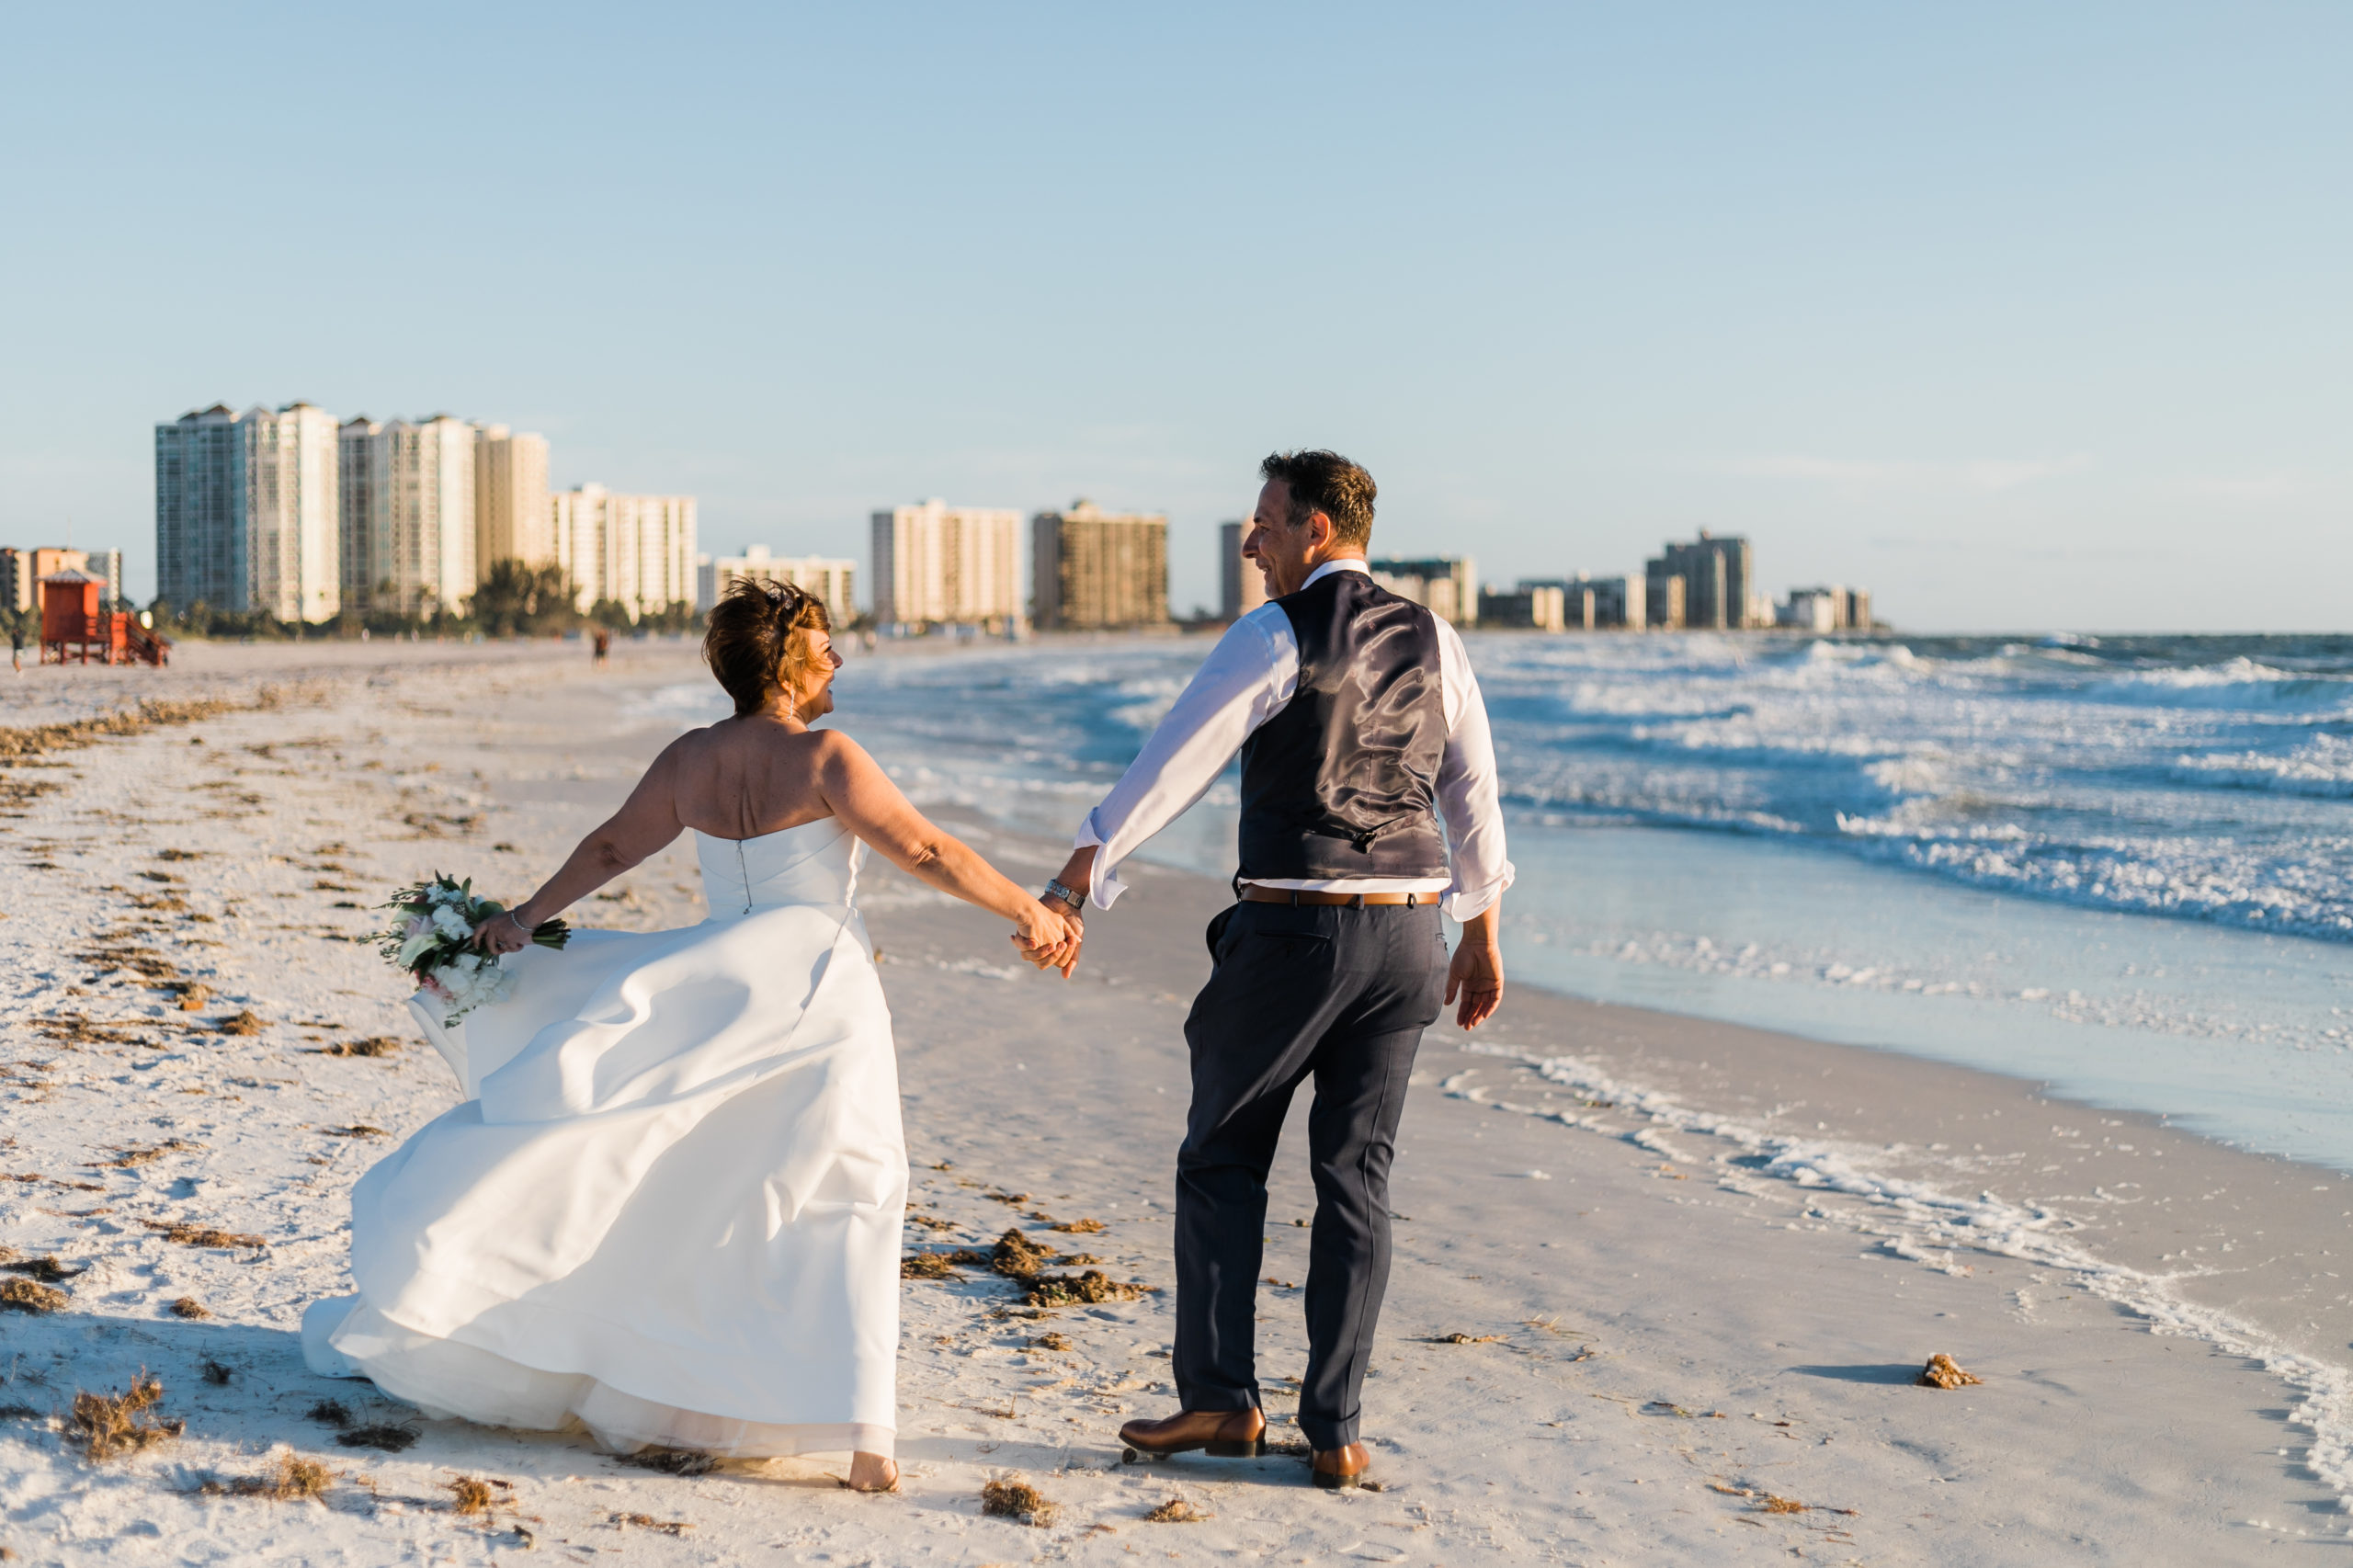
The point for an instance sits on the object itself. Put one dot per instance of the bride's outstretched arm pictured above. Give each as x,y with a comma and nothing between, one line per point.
647,821
871,806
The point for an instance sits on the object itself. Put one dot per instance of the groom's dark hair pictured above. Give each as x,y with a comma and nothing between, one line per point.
1326,483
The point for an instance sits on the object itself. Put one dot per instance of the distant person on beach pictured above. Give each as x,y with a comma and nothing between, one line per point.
16,647
600,645
669,1207
1360,730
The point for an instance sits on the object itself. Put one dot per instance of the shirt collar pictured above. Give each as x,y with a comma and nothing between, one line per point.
1346,563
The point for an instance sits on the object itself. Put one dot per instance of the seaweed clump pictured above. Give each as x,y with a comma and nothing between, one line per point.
107,1425
1943,1372
1013,1498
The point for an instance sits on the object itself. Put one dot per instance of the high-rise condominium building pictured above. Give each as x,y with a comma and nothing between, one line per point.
637,550
407,513
246,511
1718,579
1093,569
941,564
512,518
1241,587
833,580
1446,585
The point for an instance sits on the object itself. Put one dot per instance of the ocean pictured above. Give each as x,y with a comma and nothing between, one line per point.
2123,866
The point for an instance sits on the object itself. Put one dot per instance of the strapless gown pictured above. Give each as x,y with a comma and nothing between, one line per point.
669,1206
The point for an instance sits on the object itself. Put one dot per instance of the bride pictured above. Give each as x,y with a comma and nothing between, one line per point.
669,1206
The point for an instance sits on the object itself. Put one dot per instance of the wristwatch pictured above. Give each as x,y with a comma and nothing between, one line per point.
1054,889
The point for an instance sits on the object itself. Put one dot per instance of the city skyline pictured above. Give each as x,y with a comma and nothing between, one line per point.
2033,319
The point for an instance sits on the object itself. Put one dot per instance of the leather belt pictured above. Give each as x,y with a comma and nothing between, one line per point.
1251,892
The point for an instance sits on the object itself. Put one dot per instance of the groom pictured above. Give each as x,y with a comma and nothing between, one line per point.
1368,804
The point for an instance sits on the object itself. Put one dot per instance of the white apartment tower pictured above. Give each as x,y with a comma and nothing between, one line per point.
638,550
246,511
407,512
830,578
942,563
512,518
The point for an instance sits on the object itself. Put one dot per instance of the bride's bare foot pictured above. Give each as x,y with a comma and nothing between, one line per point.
871,1473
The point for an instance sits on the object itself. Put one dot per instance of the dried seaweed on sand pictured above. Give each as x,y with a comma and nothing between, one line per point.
1177,1511
1052,1342
126,1159
1460,1338
1090,1288
468,1496
241,1022
148,715
936,1264
25,1296
1018,1257
1943,1372
107,1425
1080,1227
204,1235
331,1413
291,1479
374,1045
648,1522
48,1271
382,1435
189,1307
1013,1498
673,1462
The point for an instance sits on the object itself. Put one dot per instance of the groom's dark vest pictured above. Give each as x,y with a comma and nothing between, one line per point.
1343,781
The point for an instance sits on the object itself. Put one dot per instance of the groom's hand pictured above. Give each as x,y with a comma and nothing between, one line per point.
1476,973
1061,955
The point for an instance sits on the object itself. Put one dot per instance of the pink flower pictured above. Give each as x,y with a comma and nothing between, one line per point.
433,983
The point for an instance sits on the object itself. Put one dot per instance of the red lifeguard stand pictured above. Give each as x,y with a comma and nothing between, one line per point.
73,626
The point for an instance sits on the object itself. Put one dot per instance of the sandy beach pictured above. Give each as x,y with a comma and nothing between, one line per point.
1662,1284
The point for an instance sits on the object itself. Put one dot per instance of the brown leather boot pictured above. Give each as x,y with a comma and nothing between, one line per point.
1336,1468
1226,1433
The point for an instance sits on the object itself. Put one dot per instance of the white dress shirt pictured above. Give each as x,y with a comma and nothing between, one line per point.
1248,678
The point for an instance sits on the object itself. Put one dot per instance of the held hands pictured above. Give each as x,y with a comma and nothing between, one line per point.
1049,934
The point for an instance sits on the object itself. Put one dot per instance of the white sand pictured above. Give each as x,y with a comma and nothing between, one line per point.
1715,1286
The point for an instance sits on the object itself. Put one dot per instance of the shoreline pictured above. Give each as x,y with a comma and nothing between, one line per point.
1777,1213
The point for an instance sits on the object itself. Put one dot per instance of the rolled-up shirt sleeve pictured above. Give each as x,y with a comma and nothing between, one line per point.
1244,681
1468,794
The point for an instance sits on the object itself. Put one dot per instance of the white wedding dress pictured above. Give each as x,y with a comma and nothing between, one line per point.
669,1206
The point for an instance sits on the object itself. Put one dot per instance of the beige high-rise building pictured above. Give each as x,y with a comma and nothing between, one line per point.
407,513
293,561
939,564
1241,586
512,518
637,550
1093,569
831,579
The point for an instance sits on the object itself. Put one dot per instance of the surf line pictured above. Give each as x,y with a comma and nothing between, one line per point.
1922,1223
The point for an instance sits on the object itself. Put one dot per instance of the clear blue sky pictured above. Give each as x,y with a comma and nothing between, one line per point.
2023,316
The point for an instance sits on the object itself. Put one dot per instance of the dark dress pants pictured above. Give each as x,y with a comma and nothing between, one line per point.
1344,994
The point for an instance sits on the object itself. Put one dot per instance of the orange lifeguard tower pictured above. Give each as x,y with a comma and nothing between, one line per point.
73,626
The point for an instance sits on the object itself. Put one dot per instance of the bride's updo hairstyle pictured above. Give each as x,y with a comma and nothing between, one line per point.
758,639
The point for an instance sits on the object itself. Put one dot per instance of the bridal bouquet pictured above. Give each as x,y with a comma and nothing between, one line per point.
432,940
